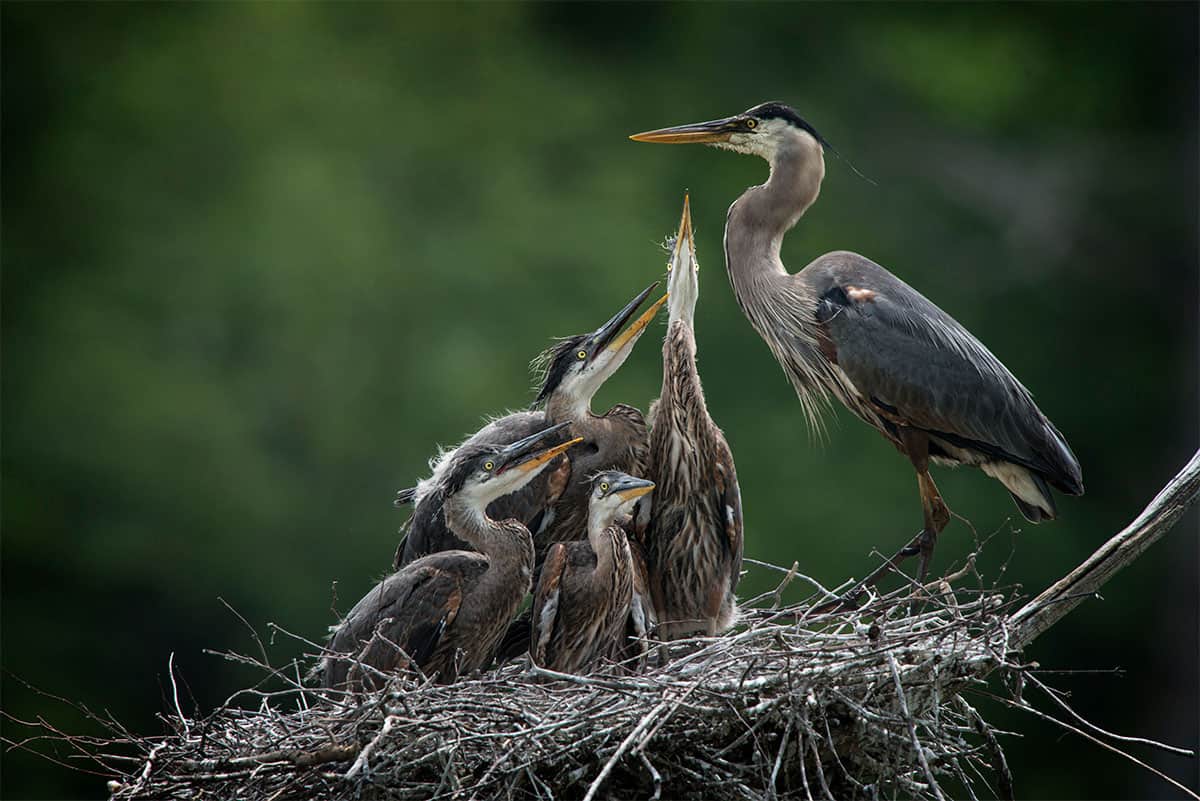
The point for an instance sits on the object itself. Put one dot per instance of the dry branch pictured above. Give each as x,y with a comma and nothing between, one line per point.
791,705
1081,583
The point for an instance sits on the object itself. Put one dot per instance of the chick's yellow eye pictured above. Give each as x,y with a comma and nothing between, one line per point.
582,354
751,123
489,465
604,486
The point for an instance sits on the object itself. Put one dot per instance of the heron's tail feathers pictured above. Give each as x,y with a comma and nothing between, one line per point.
1028,489
1066,475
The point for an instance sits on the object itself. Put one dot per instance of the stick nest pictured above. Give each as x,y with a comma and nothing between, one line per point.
789,704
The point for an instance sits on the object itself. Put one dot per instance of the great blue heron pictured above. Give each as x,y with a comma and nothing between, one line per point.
693,541
846,328
446,612
555,508
583,597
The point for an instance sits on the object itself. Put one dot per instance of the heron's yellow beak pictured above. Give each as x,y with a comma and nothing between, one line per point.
633,331
685,235
539,459
637,491
696,132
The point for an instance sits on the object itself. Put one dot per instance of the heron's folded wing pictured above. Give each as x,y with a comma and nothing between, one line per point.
408,612
912,359
546,598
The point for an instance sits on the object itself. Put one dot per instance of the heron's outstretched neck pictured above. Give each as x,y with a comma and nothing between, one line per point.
681,381
563,407
760,218
467,520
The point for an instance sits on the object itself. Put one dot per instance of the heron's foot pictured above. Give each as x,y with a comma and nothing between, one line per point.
925,542
920,545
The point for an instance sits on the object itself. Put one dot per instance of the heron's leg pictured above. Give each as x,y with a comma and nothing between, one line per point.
936,515
914,444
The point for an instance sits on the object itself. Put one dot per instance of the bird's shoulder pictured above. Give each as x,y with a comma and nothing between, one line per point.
461,562
625,413
441,573
431,581
859,303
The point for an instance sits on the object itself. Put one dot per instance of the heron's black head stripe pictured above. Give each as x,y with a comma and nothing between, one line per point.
466,463
780,111
555,362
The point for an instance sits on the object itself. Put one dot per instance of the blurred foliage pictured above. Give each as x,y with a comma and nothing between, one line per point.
259,258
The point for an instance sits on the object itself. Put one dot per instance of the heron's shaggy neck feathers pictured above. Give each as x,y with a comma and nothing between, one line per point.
780,308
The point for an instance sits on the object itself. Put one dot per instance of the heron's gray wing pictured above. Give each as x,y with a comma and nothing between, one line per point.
427,531
909,358
406,614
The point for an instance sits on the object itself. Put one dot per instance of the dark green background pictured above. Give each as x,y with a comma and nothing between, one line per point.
258,259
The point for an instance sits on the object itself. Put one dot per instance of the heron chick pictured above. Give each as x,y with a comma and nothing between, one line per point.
446,612
554,508
846,328
693,542
583,596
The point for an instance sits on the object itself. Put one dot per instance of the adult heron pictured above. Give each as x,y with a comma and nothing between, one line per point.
555,508
583,596
846,328
445,613
693,541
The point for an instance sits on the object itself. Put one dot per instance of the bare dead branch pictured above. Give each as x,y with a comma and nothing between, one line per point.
1122,549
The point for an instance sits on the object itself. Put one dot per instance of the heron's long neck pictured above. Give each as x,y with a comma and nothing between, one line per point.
606,538
503,541
563,407
681,381
760,218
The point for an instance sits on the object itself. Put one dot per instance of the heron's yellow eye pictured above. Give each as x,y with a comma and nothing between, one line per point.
489,465
751,123
582,355
604,486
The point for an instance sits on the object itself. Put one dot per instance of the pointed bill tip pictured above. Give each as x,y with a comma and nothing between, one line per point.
686,235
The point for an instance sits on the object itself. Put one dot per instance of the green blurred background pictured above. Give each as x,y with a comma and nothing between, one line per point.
258,259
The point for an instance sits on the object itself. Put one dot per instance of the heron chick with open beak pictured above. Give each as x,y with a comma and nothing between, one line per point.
693,542
555,506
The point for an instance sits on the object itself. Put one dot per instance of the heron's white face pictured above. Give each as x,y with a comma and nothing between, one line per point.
503,473
598,362
613,497
610,507
585,383
769,138
486,485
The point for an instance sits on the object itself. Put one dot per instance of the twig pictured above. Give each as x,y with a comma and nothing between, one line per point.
365,754
646,720
187,732
912,729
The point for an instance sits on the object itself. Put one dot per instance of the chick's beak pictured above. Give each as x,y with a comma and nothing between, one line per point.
685,238
610,339
630,488
630,335
607,332
695,132
512,455
534,462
